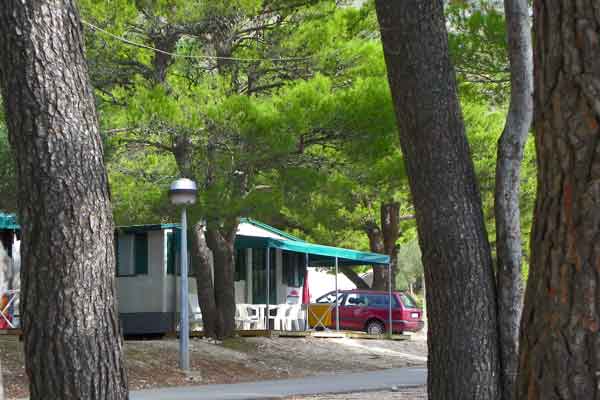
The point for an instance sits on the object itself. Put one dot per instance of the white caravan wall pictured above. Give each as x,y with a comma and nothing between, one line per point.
144,293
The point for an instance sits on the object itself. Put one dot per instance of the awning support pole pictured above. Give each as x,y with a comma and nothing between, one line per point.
306,325
390,328
268,266
337,298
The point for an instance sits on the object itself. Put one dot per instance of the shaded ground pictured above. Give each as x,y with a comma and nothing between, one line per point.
153,363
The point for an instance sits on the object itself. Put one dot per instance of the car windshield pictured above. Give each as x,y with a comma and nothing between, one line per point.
329,298
408,301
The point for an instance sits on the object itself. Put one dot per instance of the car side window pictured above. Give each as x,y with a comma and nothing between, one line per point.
381,301
356,299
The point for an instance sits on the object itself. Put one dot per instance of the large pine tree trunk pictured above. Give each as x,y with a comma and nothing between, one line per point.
463,358
560,338
73,346
203,267
221,242
508,173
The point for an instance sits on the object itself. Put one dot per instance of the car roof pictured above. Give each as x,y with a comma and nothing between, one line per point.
369,291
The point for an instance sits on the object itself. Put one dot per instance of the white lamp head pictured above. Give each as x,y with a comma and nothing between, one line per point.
183,192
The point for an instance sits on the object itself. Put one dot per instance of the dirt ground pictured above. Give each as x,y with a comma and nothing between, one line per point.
153,363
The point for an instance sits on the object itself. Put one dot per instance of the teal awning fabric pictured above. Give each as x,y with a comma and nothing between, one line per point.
8,222
146,228
318,254
269,228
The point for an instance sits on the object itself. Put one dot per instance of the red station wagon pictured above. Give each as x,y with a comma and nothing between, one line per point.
368,310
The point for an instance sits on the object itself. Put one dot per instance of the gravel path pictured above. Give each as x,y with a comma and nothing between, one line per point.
153,363
417,393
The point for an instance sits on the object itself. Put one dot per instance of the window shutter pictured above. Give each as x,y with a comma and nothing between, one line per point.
141,254
116,242
173,240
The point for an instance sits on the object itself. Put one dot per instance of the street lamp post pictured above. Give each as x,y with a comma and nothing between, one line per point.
183,192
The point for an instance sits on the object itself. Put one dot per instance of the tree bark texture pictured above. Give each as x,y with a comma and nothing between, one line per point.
390,227
559,336
375,236
221,242
508,172
203,263
382,239
463,358
72,338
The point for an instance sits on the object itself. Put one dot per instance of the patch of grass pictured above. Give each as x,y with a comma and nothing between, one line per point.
240,344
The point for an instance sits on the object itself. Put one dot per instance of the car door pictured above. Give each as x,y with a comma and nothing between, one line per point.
352,312
378,307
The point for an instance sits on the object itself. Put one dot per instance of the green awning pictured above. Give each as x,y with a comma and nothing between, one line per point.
269,228
8,222
146,228
318,254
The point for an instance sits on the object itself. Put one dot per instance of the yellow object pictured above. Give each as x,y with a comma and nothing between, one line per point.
3,304
319,315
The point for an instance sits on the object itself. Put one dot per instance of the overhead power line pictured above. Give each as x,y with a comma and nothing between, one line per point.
197,57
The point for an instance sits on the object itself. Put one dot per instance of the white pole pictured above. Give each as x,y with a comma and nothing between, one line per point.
184,328
337,296
390,329
307,305
268,266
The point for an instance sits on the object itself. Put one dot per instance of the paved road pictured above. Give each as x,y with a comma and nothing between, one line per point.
342,383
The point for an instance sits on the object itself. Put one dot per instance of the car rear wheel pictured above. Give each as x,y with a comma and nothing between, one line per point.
375,328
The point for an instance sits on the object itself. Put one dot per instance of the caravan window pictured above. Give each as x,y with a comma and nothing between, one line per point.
132,254
294,267
240,265
172,251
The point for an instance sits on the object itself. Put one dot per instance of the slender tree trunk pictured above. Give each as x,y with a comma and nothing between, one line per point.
73,346
376,245
463,358
560,339
221,242
508,172
354,278
382,239
390,228
203,263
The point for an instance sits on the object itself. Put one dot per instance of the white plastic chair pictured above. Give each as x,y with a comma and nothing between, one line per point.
195,310
261,310
294,317
287,318
247,316
252,316
279,317
241,316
